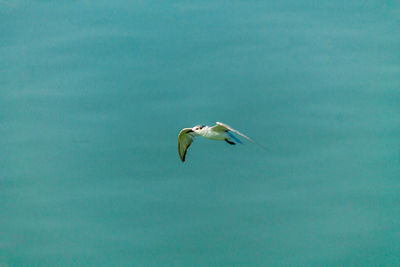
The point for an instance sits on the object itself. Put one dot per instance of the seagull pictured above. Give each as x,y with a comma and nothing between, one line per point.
218,132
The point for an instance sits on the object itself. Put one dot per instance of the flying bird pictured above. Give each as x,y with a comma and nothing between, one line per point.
218,132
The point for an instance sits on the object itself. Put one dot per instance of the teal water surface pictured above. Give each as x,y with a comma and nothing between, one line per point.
94,93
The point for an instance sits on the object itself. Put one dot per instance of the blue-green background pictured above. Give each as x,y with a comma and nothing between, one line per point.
94,93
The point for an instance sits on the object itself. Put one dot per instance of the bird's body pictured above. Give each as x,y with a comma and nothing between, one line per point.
218,132
209,133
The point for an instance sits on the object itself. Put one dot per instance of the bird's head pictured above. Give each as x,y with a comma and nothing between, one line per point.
198,128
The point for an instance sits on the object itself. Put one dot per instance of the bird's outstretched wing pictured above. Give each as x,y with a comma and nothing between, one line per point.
185,139
222,127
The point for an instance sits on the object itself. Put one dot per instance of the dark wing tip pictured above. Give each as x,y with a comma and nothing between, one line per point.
184,154
183,157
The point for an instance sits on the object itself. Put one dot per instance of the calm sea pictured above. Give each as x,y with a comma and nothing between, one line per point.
94,93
